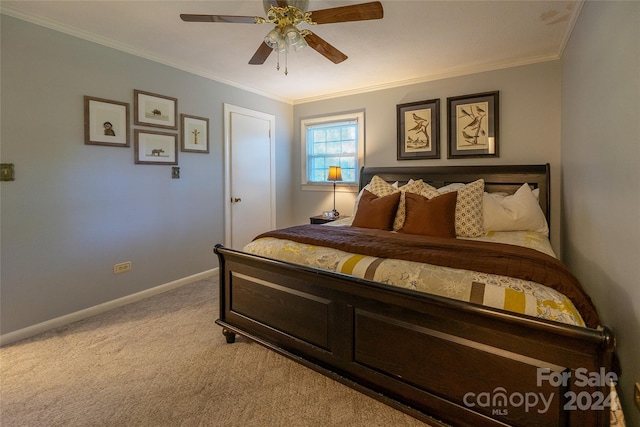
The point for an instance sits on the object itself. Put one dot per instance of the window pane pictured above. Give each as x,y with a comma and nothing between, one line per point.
318,163
330,143
334,134
334,147
349,132
320,148
349,175
319,135
349,146
333,161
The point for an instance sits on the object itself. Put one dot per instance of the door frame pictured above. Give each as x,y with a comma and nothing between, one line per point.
228,110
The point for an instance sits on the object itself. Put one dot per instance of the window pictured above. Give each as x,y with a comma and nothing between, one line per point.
332,141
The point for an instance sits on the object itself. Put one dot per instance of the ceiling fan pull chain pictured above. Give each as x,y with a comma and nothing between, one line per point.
286,64
278,63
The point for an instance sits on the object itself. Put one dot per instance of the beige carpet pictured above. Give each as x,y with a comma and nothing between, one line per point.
163,362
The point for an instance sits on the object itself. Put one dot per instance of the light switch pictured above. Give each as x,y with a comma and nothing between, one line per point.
6,172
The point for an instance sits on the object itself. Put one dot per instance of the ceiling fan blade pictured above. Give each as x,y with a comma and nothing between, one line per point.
325,49
218,18
261,54
356,12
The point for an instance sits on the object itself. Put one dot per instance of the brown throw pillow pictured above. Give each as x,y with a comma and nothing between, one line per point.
430,217
376,212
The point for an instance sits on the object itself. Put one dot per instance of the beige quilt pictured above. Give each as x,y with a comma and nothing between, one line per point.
507,293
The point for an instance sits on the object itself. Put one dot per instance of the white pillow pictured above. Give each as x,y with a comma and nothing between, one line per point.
518,212
451,187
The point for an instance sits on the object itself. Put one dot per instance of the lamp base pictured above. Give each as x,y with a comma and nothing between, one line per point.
335,213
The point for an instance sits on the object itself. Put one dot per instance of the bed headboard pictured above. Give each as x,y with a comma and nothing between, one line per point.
499,178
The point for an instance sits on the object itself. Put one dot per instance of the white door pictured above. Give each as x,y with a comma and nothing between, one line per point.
249,175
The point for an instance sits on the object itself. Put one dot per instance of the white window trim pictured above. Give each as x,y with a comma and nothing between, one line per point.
357,116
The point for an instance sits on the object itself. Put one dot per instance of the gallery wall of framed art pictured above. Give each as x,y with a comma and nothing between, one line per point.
108,123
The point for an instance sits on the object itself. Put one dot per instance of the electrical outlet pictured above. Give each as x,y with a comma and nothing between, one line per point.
6,172
636,395
123,267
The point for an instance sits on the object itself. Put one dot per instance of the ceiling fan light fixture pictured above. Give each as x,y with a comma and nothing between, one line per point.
286,15
302,43
273,39
283,46
291,34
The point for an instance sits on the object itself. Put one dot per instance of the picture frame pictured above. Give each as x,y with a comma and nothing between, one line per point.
106,122
473,125
155,148
419,130
155,110
195,134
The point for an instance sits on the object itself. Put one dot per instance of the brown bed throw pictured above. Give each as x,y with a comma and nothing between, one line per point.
485,257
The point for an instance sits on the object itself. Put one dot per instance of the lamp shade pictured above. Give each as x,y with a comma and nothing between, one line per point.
335,173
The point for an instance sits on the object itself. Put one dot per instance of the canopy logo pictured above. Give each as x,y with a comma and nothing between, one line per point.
500,401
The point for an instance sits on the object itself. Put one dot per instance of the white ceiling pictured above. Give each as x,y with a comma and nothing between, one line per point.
416,41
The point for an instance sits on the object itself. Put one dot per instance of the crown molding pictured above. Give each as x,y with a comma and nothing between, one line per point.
455,72
56,26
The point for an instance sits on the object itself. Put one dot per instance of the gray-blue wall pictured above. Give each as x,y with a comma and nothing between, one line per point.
75,210
601,172
529,128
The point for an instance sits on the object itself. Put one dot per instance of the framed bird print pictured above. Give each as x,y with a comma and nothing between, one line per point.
472,125
419,130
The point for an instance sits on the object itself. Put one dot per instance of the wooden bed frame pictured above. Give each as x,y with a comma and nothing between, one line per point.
440,360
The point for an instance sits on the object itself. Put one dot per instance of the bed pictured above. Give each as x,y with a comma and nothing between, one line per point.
442,359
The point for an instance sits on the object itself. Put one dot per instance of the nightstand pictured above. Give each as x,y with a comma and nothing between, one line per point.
321,219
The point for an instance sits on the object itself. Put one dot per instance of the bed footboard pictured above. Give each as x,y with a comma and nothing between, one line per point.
436,359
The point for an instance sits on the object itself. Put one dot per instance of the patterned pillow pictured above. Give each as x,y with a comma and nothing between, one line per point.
429,192
469,206
414,187
380,187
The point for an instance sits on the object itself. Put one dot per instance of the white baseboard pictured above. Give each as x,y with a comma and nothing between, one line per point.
39,328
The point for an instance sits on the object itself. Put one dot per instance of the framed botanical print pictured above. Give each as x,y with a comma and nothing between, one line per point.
155,148
472,124
195,134
155,110
419,130
106,122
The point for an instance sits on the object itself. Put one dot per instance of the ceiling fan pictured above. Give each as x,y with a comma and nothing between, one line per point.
287,15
